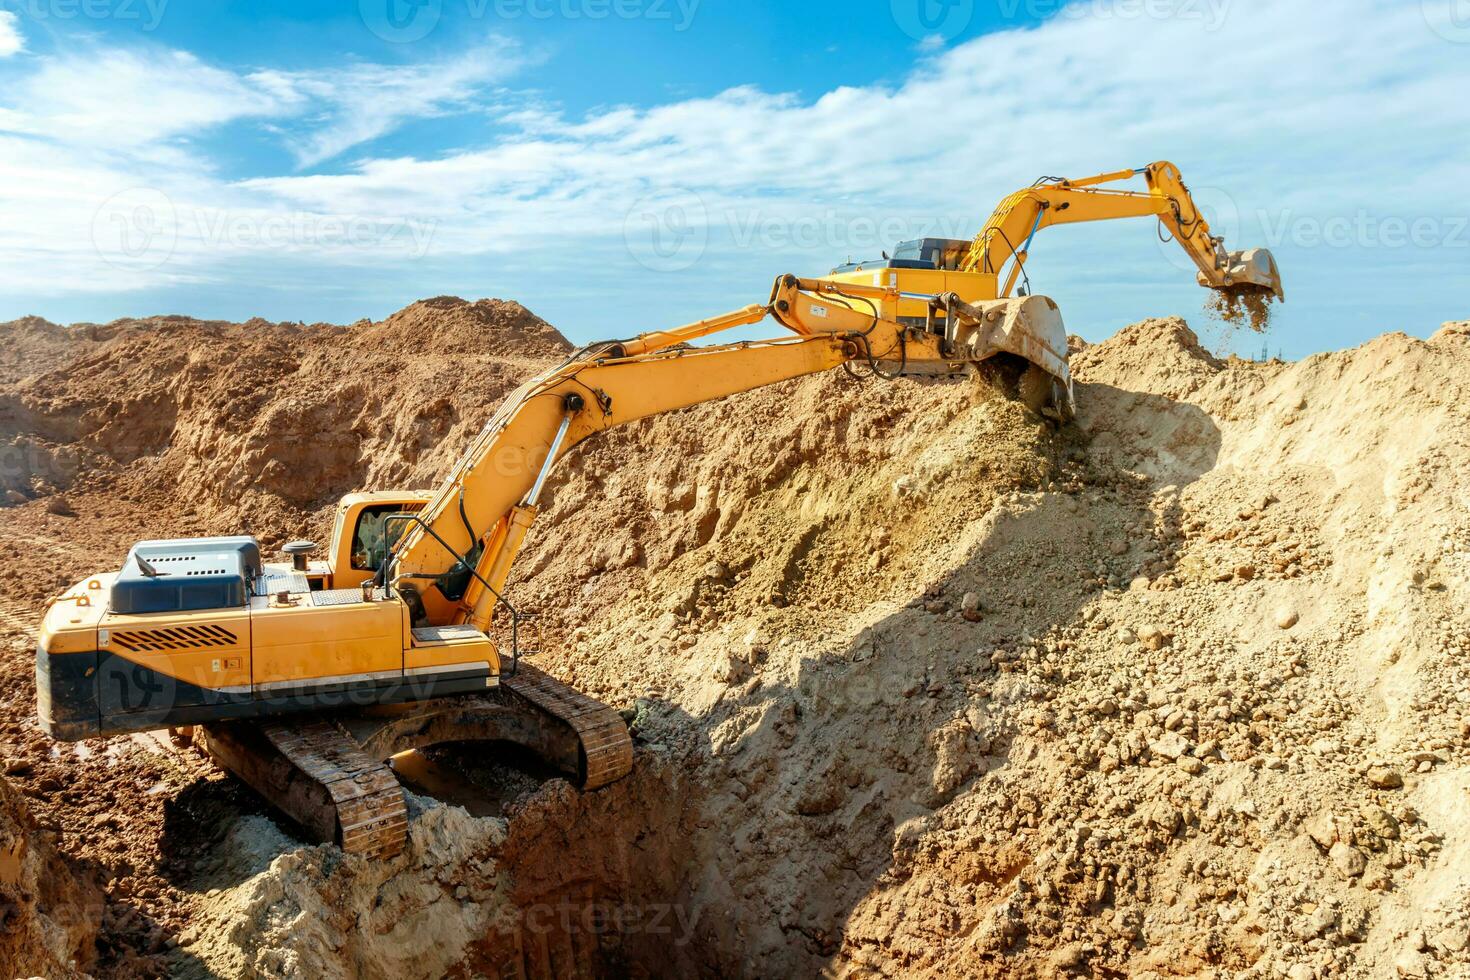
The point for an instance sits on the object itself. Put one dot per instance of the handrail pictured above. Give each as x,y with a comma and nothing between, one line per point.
463,562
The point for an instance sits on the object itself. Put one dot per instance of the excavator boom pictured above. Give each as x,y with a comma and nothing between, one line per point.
1009,234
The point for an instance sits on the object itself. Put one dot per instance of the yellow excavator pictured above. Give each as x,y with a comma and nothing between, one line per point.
305,676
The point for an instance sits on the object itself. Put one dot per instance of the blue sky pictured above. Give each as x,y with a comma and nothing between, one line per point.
620,165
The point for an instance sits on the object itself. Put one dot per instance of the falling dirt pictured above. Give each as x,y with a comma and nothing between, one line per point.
920,684
1242,305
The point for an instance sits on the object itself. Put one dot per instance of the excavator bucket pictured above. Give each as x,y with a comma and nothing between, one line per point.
1027,328
1252,267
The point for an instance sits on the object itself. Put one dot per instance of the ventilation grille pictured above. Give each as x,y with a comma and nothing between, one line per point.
177,638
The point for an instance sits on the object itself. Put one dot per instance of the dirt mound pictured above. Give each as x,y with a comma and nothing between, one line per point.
920,684
257,426
48,918
453,326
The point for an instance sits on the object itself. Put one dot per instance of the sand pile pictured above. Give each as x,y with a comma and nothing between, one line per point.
920,684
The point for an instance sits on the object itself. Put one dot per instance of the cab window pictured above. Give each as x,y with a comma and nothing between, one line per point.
374,536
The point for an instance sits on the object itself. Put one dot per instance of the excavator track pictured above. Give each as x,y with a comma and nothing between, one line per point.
330,774
316,774
606,747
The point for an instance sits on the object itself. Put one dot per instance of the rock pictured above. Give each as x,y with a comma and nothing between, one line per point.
905,486
59,506
1191,765
1322,829
1452,940
1107,707
1171,746
1118,546
1410,965
1348,860
730,668
16,498
1381,822
1069,957
1155,638
1245,572
1382,777
1286,618
970,607
1301,971
1165,817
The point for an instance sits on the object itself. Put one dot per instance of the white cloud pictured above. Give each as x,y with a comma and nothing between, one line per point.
1272,117
11,41
1258,102
363,102
110,98
126,98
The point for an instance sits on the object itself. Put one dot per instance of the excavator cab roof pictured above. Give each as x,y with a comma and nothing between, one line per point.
918,253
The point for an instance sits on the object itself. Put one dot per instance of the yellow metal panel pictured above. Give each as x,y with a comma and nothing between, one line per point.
972,287
70,622
302,642
469,653
209,648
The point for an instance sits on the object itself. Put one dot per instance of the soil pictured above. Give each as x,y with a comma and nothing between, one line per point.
920,683
1242,305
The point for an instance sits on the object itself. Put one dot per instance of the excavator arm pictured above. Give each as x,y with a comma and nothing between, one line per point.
476,522
1008,235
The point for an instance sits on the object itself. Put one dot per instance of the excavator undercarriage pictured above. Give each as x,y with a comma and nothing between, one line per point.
330,773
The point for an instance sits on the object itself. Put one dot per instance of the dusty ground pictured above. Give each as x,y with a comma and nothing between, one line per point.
920,684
